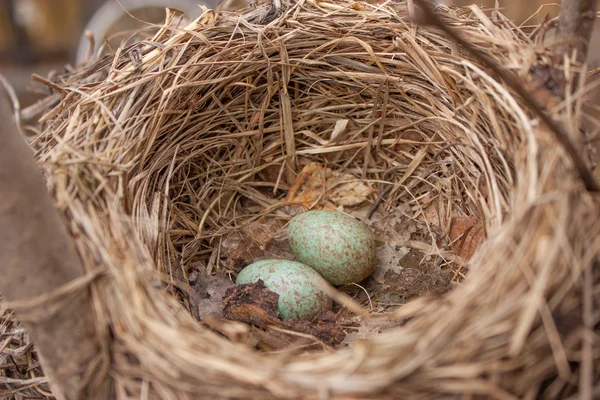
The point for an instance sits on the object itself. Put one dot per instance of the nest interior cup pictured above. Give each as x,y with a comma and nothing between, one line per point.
154,156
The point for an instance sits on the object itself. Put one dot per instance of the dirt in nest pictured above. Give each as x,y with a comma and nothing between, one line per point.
254,242
406,269
402,272
207,294
409,275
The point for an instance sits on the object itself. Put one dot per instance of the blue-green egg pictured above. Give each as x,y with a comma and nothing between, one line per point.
299,287
337,246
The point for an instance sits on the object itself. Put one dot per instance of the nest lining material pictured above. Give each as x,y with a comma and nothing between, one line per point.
155,154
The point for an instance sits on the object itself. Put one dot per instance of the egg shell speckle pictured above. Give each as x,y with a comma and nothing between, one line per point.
298,286
336,245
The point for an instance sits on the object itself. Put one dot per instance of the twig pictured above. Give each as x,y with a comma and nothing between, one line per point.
586,379
12,95
411,8
575,25
428,17
29,113
48,83
37,256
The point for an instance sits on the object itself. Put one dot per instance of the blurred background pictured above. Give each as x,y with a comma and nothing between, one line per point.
43,35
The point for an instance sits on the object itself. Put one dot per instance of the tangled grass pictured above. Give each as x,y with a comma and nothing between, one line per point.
155,153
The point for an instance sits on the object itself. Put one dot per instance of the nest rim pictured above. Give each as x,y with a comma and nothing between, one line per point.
379,366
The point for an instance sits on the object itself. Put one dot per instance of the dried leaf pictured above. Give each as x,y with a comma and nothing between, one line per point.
466,234
405,148
339,128
254,304
319,185
252,242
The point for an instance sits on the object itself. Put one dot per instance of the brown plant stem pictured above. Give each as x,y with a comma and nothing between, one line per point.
428,17
37,257
575,26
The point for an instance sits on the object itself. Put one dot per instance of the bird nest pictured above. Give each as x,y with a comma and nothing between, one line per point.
168,155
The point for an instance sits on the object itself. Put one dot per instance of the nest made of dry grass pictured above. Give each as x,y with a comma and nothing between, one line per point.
155,153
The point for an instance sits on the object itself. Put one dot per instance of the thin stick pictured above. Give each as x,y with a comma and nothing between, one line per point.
37,256
430,18
586,379
575,26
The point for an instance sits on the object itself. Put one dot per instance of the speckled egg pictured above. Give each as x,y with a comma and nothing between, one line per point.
336,245
298,286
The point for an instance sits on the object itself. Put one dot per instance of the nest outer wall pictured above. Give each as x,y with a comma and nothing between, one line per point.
153,156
